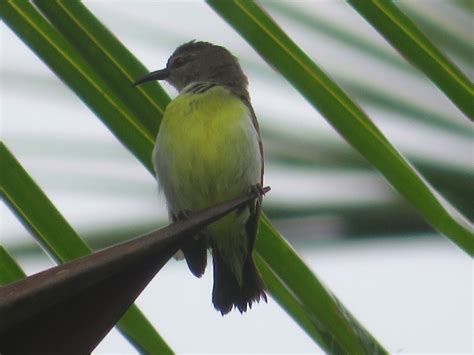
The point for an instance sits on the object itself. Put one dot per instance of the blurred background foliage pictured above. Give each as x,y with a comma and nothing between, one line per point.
323,192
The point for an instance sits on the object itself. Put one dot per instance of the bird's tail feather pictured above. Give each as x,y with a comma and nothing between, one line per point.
227,293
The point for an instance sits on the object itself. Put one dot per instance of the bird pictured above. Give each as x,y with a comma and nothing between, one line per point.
209,150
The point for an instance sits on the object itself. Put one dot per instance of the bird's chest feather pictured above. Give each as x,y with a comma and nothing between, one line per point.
207,150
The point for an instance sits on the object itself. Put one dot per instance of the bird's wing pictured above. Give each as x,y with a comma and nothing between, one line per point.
246,101
252,222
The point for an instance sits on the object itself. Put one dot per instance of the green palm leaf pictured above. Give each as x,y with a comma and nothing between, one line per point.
11,271
402,34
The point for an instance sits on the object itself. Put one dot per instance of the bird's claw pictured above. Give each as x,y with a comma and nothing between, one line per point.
253,203
183,215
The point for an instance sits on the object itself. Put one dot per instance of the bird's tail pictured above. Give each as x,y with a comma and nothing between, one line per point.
227,293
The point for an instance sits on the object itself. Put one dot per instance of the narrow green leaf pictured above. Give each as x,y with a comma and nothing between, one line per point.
10,271
313,22
54,233
113,62
404,36
344,115
441,34
287,300
317,23
69,65
37,213
338,331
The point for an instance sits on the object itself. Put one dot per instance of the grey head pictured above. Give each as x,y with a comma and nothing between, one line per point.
201,62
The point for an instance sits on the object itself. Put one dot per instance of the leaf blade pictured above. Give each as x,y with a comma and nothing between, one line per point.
338,331
68,64
112,62
404,36
10,270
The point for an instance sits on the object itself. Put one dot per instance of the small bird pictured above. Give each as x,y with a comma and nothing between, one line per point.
208,150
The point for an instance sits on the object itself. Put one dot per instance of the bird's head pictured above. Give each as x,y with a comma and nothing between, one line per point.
200,62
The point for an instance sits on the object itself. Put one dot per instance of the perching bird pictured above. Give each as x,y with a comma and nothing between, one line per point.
208,150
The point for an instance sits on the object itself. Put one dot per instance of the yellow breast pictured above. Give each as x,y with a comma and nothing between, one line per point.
207,150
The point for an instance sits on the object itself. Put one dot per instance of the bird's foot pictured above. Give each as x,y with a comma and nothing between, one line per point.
183,215
257,190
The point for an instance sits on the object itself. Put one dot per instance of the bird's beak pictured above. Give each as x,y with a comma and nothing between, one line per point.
154,75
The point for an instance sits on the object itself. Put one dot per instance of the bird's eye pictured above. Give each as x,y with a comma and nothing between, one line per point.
178,62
